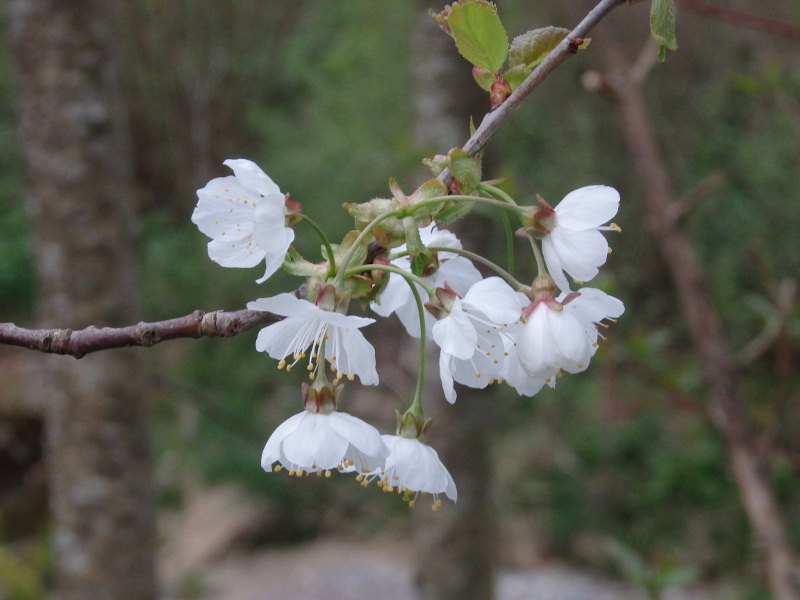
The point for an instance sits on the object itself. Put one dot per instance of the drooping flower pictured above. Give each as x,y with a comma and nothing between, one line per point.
561,334
413,467
245,215
456,270
573,242
331,335
472,348
312,442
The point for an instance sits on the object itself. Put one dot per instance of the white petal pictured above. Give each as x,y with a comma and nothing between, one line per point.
314,444
252,177
286,304
359,357
224,208
361,436
447,378
495,299
395,294
272,450
569,336
234,253
459,272
580,252
553,262
279,339
587,207
455,334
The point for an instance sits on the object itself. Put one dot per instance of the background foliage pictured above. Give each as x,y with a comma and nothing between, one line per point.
321,96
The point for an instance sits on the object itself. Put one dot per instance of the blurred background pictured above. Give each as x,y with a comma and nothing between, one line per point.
617,474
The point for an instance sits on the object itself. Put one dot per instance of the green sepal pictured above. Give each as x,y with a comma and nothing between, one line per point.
296,265
465,168
662,26
357,286
417,265
532,47
432,188
480,36
341,251
390,232
454,210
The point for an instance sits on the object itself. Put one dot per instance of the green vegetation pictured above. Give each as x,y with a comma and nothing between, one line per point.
321,96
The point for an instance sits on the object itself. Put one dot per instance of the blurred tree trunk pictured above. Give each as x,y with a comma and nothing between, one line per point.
725,404
454,546
72,132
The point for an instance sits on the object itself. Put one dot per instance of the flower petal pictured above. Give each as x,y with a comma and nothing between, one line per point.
587,207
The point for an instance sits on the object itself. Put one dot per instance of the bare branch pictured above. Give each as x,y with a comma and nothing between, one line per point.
226,324
91,339
492,121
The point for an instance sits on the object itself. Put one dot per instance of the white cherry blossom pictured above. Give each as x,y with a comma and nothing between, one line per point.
456,270
413,467
574,243
244,214
559,335
312,442
331,336
472,348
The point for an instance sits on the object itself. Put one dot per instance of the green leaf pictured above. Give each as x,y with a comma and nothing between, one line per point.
483,78
662,26
514,77
479,34
533,46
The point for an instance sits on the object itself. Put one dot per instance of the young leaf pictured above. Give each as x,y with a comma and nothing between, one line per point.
532,47
516,75
479,34
662,26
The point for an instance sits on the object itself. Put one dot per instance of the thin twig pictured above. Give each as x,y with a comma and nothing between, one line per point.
91,339
566,48
226,324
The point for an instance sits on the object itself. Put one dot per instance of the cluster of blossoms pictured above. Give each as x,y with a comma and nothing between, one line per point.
488,329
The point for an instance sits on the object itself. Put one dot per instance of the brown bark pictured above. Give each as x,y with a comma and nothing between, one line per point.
76,152
725,405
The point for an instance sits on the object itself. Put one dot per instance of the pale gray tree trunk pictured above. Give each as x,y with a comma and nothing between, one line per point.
72,133
454,546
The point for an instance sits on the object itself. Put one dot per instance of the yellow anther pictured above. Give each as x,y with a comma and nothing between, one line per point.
281,364
615,227
359,477
411,504
609,251
311,376
328,473
309,367
291,472
350,377
319,473
276,468
338,374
